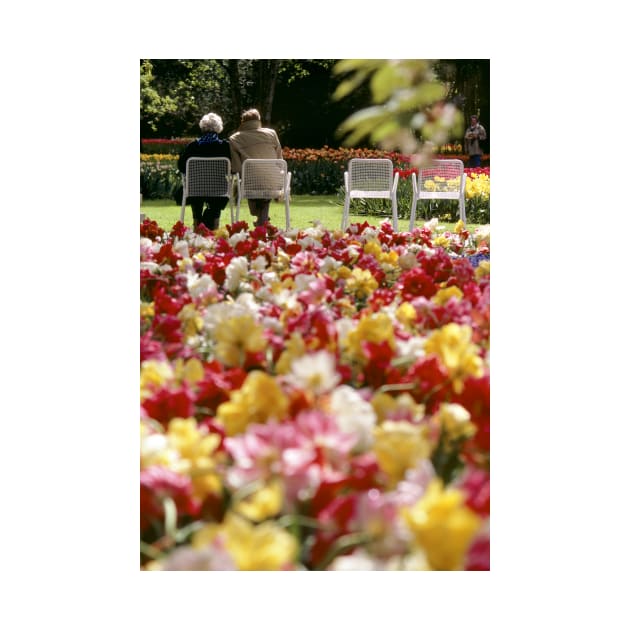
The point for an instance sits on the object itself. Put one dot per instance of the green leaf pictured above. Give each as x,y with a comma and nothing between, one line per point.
150,551
385,81
366,114
384,130
424,95
349,85
342,545
170,516
362,124
349,65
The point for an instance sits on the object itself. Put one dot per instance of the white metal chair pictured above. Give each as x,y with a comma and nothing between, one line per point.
264,179
207,177
444,179
370,178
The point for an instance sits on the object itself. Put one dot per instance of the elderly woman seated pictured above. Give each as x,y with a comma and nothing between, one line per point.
207,145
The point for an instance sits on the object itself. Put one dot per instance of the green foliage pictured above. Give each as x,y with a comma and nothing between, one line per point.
318,177
478,210
291,70
409,112
163,146
297,96
176,93
158,180
153,105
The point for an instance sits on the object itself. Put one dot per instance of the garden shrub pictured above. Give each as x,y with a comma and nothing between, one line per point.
319,177
173,146
158,179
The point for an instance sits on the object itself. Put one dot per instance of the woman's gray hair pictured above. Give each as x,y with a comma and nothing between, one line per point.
211,122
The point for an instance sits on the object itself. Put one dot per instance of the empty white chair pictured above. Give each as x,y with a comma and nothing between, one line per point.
444,179
370,178
264,179
207,177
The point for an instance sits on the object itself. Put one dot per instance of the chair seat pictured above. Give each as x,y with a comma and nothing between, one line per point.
370,194
426,194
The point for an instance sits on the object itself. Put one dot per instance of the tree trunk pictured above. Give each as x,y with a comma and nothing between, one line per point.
268,102
266,75
235,86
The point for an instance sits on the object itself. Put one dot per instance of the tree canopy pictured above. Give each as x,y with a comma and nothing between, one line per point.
303,99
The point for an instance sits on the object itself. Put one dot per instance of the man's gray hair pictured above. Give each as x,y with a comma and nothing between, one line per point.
250,114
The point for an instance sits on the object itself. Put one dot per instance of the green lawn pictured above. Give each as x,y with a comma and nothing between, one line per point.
305,209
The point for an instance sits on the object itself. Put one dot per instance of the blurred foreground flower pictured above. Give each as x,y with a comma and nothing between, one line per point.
315,400
264,547
443,527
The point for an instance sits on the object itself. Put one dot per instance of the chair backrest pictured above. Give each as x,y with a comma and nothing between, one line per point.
208,177
441,176
370,174
263,178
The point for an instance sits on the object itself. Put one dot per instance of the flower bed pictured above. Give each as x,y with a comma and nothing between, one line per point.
320,172
158,175
163,145
314,399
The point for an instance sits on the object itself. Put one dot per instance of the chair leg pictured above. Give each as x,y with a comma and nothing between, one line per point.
412,216
286,210
181,215
346,213
462,209
395,213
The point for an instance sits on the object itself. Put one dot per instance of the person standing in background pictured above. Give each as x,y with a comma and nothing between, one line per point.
472,139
